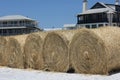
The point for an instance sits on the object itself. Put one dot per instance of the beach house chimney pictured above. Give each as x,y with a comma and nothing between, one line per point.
116,2
85,5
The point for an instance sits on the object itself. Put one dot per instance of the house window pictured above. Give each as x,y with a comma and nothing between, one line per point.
100,25
106,24
4,31
11,22
87,26
81,17
114,24
15,22
4,24
94,16
21,23
0,24
94,26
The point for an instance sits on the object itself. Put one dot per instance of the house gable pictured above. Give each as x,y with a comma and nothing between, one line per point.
98,5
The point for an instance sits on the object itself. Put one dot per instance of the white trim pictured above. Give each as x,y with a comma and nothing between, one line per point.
93,11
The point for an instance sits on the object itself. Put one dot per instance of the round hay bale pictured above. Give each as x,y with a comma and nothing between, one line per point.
33,52
14,54
3,43
21,39
111,39
55,52
88,53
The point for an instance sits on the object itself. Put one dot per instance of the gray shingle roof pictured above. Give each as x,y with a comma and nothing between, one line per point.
108,8
14,17
92,11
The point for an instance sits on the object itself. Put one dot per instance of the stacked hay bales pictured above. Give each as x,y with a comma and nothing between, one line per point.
3,43
95,51
55,52
33,52
13,54
91,51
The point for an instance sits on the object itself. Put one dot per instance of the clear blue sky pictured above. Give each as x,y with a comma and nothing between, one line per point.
49,13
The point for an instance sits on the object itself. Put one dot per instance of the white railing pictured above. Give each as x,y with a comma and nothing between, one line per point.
95,24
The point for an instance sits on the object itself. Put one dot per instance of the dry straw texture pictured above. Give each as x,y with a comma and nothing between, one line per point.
3,43
87,53
13,54
33,52
55,52
21,39
111,39
91,51
96,51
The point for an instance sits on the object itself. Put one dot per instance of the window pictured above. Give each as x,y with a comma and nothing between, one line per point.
114,24
0,31
100,25
4,24
21,23
11,22
94,17
94,26
4,31
0,24
10,31
81,17
87,26
15,22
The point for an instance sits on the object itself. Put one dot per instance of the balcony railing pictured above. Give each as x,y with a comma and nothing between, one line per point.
92,21
18,25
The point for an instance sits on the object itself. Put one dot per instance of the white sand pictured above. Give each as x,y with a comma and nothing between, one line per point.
18,74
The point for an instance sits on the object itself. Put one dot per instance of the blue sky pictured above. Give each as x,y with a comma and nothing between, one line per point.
49,13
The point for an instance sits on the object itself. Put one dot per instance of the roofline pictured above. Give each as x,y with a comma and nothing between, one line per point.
4,18
99,3
22,27
92,13
18,20
110,4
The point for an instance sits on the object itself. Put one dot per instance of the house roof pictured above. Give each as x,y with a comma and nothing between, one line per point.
112,6
92,11
104,8
14,17
69,25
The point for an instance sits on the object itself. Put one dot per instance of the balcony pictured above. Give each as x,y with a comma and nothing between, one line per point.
92,21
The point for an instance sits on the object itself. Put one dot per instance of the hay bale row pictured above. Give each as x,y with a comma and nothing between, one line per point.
50,49
34,54
93,51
